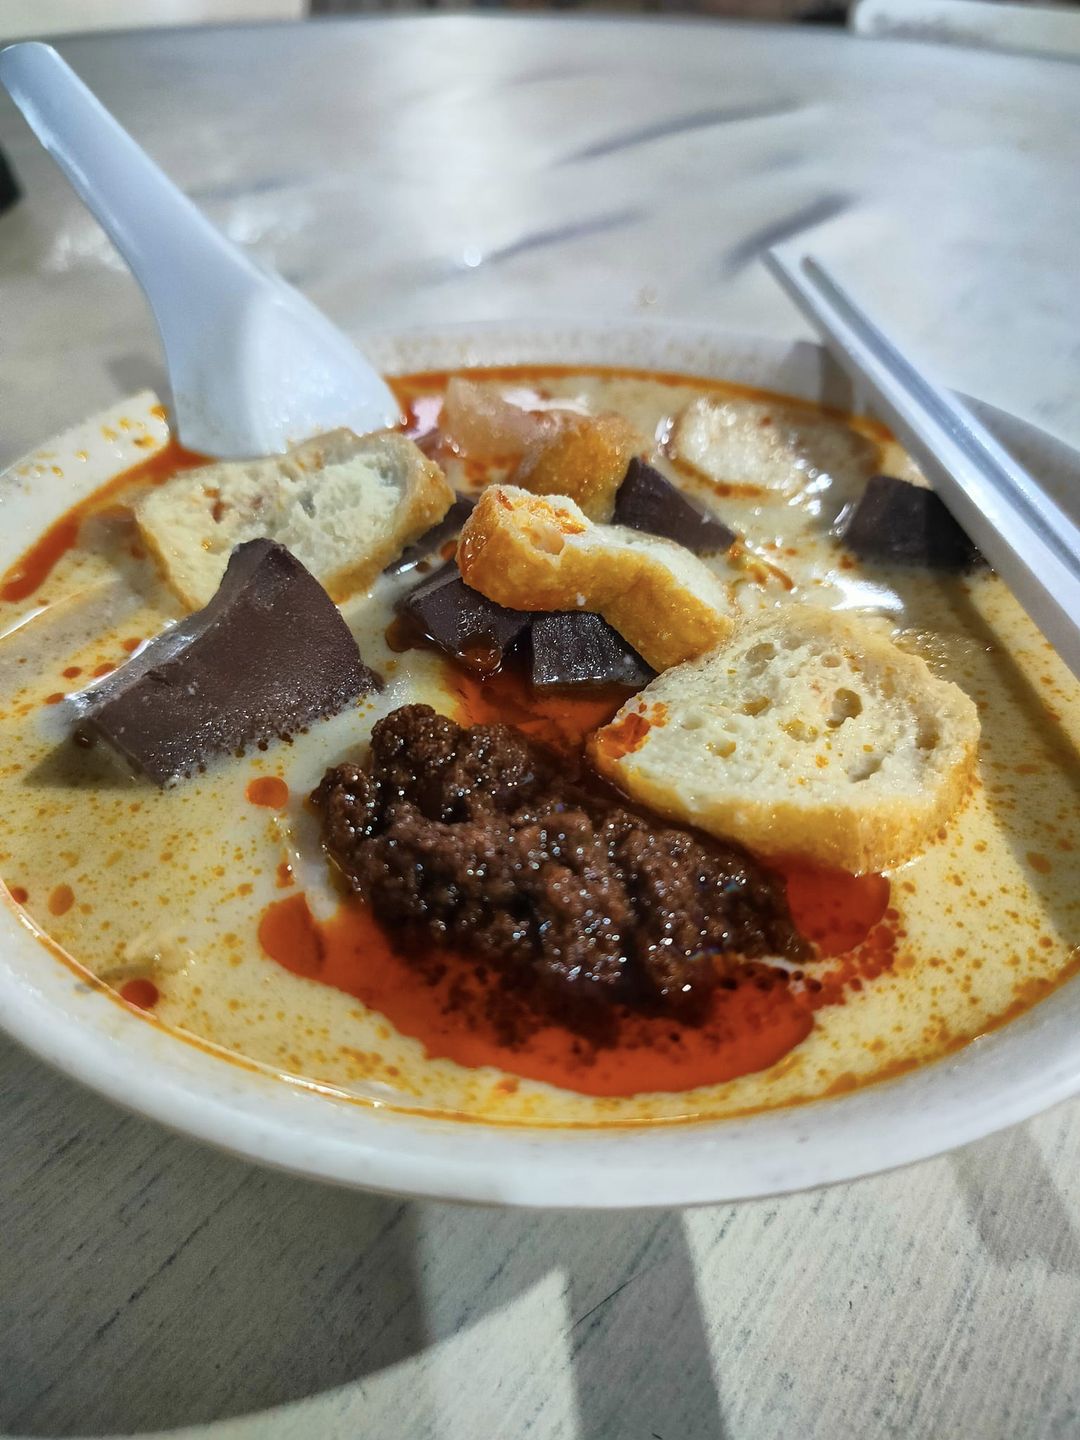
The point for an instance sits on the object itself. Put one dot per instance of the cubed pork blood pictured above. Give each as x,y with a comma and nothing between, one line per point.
578,648
467,625
898,523
648,501
268,655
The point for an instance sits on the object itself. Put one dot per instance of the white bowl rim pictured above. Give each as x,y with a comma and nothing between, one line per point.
996,1081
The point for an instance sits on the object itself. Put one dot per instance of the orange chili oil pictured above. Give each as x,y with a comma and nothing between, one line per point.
36,564
560,719
834,910
629,734
751,1022
747,1028
268,790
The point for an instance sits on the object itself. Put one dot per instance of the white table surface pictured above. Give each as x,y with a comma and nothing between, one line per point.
461,168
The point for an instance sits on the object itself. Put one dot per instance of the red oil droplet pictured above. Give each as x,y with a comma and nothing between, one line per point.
268,790
18,894
483,657
141,993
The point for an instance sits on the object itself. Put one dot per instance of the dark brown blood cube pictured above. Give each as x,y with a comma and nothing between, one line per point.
267,656
898,523
648,501
461,621
446,529
577,647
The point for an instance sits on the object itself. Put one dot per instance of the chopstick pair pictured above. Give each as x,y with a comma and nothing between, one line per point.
1024,534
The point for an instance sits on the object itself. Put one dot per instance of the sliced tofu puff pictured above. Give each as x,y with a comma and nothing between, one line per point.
585,457
527,552
755,445
558,452
809,736
344,505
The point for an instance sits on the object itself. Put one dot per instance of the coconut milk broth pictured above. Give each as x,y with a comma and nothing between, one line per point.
170,886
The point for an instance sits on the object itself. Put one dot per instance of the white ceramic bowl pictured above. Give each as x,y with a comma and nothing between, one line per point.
996,1081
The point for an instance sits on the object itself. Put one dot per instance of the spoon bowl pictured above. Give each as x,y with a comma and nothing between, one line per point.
253,366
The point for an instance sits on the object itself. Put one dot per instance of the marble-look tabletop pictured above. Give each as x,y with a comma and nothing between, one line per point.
454,168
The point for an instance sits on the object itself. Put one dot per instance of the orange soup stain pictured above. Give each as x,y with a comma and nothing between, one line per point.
284,875
835,910
748,1028
268,790
34,566
61,900
141,993
628,734
289,935
27,573
1039,862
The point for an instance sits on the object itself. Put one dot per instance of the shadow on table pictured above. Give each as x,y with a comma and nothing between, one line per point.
147,1283
1004,1178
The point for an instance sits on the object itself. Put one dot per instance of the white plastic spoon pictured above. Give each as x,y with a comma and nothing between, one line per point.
254,367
